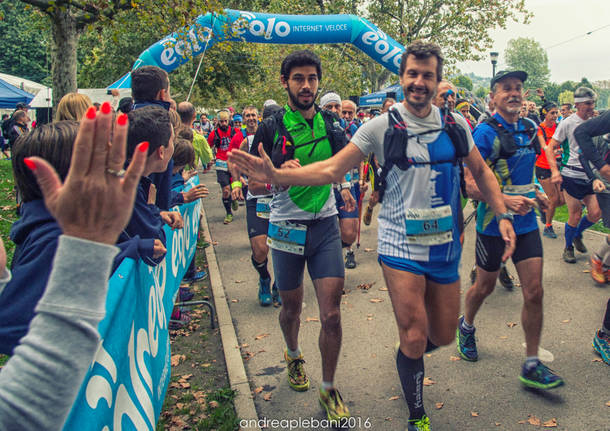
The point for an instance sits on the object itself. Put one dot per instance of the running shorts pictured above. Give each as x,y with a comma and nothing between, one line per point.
489,249
438,272
323,255
223,178
256,225
576,187
542,173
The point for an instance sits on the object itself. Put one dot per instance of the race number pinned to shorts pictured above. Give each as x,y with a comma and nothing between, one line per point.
221,165
288,237
263,210
429,226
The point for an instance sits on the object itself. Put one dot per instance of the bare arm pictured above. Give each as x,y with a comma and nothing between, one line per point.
315,174
550,156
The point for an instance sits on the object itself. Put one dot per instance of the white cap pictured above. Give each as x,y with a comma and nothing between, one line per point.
328,98
269,102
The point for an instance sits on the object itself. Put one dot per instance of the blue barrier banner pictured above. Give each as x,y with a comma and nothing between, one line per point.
255,27
126,383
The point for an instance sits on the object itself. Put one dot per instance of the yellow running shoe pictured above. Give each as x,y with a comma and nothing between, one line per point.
333,404
297,379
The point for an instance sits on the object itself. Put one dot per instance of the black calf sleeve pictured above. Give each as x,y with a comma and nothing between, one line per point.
261,268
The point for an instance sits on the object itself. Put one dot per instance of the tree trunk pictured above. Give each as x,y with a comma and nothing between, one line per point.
63,67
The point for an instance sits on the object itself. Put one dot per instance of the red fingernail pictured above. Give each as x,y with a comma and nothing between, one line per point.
30,164
106,108
143,147
122,120
91,113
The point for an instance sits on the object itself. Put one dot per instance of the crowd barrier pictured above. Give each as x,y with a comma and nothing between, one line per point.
126,383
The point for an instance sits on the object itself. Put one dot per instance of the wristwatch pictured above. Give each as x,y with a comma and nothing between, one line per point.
505,216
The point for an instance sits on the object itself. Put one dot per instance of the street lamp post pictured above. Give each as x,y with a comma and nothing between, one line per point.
494,60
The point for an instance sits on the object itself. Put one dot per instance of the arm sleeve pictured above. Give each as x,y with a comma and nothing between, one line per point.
39,383
584,137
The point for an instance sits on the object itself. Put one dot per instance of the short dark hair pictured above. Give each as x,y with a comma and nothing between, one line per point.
423,50
147,81
186,110
184,153
300,58
184,133
52,142
150,123
125,105
569,105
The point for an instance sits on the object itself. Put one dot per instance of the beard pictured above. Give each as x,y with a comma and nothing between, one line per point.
418,105
224,128
294,98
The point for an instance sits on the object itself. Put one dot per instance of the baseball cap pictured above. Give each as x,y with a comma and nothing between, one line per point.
503,74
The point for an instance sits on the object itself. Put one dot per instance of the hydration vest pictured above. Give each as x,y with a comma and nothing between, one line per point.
508,147
395,143
284,145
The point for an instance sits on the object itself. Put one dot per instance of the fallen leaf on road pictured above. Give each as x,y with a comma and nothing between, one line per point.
394,398
368,250
239,281
213,404
551,423
214,242
428,381
586,270
533,420
596,360
383,289
503,337
376,300
206,365
185,385
179,405
455,358
312,319
439,405
258,390
511,324
566,321
373,355
267,396
186,377
608,404
245,345
234,300
365,286
261,336
176,359
474,414
369,318
521,422
498,424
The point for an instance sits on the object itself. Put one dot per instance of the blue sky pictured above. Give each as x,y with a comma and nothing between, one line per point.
557,21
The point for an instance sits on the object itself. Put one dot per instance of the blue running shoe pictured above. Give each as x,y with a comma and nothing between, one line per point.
466,344
199,275
540,377
549,232
264,292
601,344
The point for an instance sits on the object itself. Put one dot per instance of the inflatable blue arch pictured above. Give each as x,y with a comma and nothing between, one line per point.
240,26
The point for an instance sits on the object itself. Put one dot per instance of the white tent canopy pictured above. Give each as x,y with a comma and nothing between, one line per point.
44,94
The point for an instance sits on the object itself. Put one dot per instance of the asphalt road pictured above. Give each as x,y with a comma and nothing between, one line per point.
485,395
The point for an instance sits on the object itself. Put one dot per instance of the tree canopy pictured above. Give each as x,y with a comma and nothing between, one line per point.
528,55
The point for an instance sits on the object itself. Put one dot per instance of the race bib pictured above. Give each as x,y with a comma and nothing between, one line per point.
288,237
222,165
429,226
263,210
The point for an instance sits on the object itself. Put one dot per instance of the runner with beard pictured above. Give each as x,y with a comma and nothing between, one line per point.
303,225
220,139
419,247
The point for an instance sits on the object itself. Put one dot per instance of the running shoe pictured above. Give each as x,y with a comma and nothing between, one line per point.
275,296
540,377
568,255
185,294
228,218
422,424
598,274
579,245
549,232
368,215
297,379
332,402
234,205
198,276
466,344
178,319
601,344
264,291
350,260
505,278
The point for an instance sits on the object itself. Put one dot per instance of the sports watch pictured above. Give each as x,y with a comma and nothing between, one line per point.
505,216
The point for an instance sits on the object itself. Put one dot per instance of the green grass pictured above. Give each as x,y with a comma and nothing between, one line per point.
7,207
561,215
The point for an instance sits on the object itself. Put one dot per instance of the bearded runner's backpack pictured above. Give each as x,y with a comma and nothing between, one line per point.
284,146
